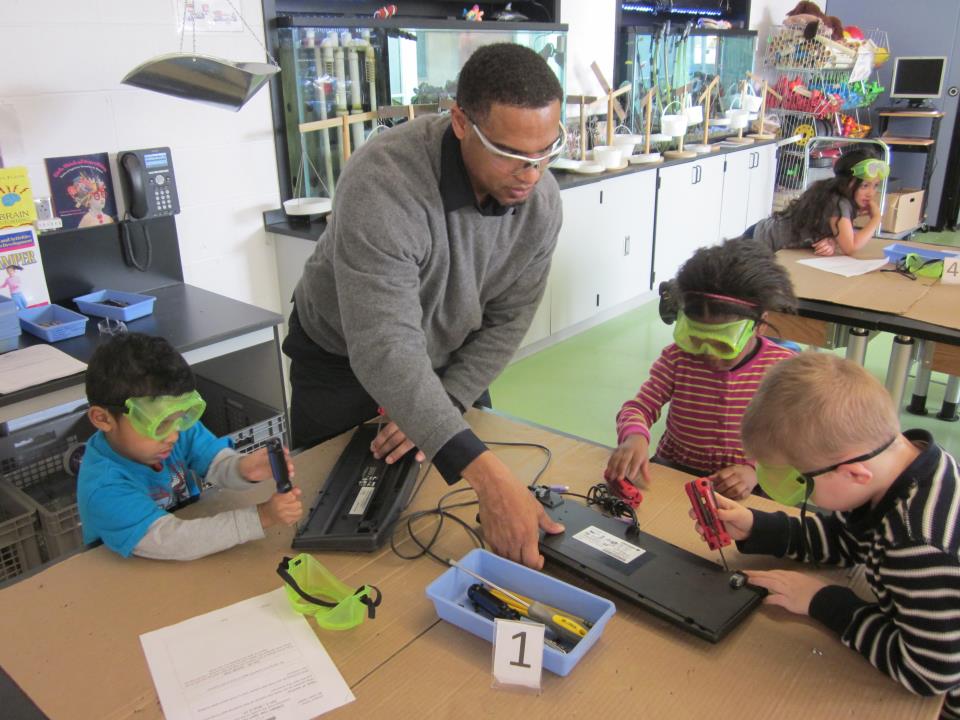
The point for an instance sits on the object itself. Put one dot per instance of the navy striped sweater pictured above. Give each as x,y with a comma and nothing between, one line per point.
909,545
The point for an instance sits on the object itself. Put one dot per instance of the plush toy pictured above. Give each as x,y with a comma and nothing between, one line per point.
809,16
474,14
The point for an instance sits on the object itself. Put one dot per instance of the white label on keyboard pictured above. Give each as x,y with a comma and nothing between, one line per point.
359,506
609,544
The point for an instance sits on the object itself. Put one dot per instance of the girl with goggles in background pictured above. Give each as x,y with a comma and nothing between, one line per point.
822,218
710,372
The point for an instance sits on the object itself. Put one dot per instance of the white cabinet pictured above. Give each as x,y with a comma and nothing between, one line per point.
603,252
763,176
689,199
748,185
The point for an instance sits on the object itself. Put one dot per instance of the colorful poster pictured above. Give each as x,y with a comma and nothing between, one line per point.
16,198
21,269
82,190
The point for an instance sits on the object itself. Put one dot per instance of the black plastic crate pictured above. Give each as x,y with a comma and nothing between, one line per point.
19,541
36,461
247,422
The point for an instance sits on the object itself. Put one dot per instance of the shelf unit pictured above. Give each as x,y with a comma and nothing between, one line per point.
913,144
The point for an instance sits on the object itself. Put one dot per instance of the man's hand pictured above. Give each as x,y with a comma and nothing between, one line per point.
788,589
281,509
255,467
736,518
735,482
509,514
392,443
630,460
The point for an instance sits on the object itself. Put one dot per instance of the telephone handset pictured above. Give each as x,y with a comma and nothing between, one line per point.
148,184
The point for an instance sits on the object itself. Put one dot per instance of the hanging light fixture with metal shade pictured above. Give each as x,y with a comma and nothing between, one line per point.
206,79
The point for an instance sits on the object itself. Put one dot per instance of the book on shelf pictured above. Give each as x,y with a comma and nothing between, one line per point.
21,268
16,198
82,190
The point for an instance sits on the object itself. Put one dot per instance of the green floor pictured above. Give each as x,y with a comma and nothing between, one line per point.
578,385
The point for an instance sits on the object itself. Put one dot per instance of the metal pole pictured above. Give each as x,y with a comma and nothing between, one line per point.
857,345
951,396
918,403
898,368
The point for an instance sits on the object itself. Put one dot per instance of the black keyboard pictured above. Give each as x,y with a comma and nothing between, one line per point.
361,499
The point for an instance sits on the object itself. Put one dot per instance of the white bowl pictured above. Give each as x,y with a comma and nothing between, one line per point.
642,158
307,206
627,143
673,125
752,102
738,118
694,114
608,156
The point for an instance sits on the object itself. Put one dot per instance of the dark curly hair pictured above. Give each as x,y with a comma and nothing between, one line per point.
739,268
508,74
136,365
809,215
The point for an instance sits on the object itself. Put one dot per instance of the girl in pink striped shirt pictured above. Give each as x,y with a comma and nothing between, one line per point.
711,371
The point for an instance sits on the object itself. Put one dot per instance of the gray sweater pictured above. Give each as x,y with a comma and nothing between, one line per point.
405,287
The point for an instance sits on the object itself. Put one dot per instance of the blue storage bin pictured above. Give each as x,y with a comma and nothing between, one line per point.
137,305
68,323
897,252
449,595
9,323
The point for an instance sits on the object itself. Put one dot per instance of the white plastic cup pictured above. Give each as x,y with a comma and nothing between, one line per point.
607,155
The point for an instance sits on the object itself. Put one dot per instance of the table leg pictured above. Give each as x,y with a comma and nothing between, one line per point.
918,403
951,397
857,345
898,368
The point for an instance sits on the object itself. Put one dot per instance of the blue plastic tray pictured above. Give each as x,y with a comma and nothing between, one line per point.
449,595
92,304
70,324
897,252
9,324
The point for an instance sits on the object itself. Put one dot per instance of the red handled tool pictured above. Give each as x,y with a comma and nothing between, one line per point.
704,502
625,490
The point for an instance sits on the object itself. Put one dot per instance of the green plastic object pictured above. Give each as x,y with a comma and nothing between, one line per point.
314,590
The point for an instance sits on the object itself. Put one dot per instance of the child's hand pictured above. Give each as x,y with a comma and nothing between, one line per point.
736,518
788,589
874,208
825,247
281,509
255,467
736,481
630,460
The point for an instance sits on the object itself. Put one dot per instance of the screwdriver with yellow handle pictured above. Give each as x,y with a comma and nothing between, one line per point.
566,628
516,605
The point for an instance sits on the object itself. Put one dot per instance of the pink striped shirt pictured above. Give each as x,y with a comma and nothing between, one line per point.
706,406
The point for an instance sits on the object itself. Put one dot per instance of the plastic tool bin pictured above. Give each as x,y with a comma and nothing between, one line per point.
52,322
897,252
9,325
134,305
449,595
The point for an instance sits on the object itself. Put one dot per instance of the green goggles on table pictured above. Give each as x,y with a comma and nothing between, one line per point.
789,486
724,341
313,590
157,417
871,169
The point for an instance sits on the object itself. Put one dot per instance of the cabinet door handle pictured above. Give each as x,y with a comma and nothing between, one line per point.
626,245
693,175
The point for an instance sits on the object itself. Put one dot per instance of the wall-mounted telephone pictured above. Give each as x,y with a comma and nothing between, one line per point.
148,184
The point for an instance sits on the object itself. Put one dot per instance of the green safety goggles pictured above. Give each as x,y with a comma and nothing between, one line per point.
724,341
871,169
789,486
157,417
313,590
919,265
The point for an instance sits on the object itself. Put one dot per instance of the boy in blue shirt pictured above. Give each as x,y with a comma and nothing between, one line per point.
149,452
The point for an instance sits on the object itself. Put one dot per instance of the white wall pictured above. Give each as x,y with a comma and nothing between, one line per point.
60,94
591,37
763,14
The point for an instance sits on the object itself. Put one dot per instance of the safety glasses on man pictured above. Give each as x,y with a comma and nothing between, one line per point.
519,162
157,417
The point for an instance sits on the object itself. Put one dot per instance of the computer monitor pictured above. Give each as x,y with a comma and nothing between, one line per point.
917,78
